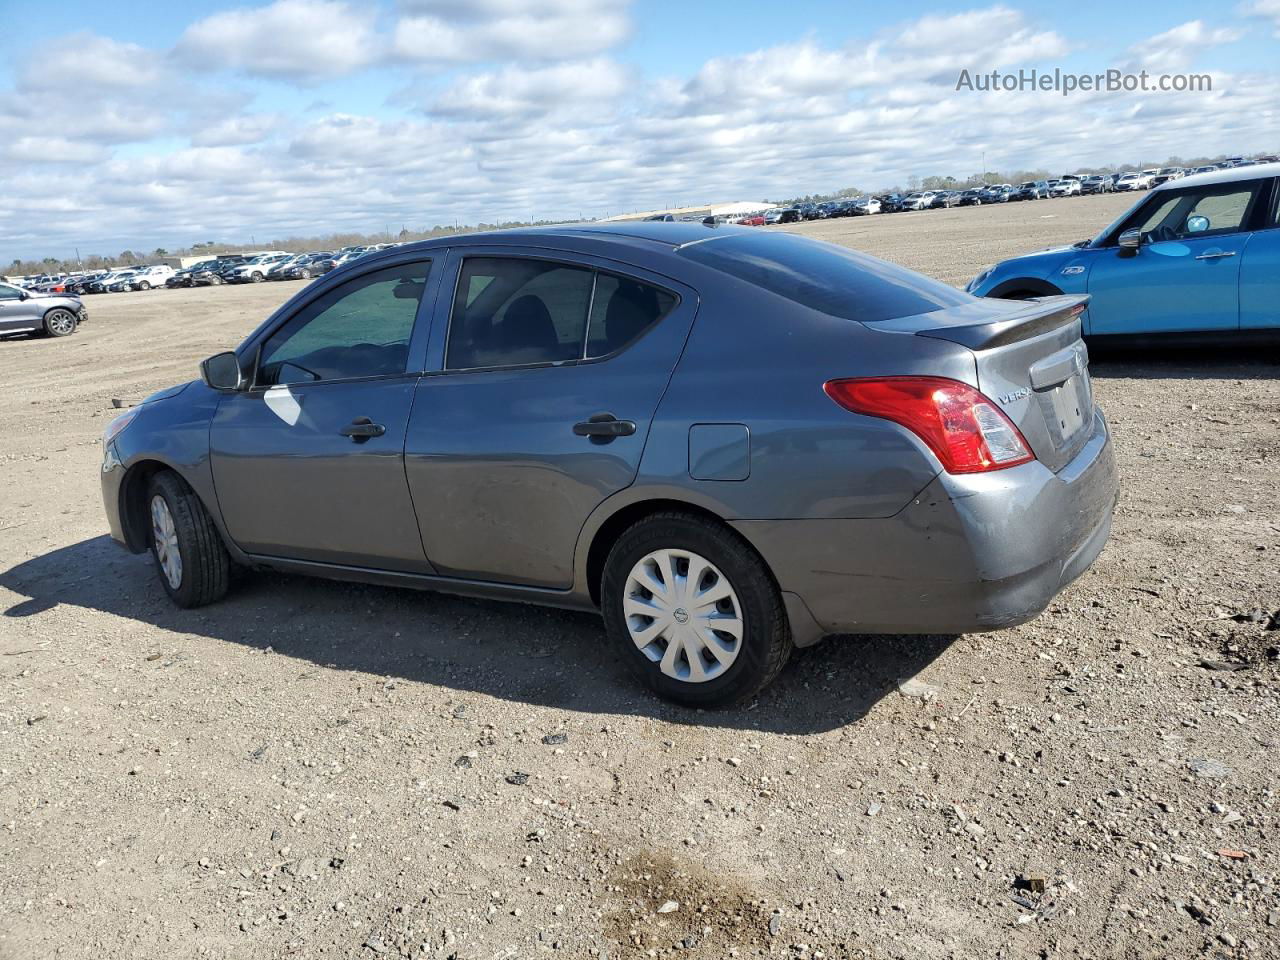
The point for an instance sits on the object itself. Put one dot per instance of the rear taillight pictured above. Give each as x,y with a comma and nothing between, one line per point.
964,429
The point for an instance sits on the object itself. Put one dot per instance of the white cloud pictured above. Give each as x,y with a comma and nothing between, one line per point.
523,93
236,130
456,31
1267,9
299,40
1176,49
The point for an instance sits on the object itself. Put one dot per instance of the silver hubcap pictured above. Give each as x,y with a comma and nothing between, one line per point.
61,321
683,615
165,537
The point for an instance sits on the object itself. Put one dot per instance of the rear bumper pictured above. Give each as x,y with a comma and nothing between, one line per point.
968,554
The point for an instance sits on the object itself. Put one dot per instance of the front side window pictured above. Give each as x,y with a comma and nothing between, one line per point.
1208,211
9,293
511,311
358,329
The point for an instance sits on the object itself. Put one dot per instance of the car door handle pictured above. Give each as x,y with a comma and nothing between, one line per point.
604,427
362,428
1216,254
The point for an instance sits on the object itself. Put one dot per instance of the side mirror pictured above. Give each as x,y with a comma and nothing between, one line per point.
1130,239
223,372
24,295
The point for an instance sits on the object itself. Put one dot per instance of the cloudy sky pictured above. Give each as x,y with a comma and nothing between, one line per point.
159,124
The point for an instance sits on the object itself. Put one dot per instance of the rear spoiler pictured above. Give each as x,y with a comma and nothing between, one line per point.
1031,319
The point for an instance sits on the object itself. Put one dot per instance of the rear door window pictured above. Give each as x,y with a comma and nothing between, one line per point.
516,311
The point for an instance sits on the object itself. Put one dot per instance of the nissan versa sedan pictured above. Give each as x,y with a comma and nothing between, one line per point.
730,442
1196,258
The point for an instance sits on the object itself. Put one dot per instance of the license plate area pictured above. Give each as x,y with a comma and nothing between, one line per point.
1067,409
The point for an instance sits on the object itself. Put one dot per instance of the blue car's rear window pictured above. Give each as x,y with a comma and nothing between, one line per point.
824,277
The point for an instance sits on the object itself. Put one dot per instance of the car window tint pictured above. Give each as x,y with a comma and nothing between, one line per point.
824,277
621,310
359,329
9,293
514,311
1225,206
1224,211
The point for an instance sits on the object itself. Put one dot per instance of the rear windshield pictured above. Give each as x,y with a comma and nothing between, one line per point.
824,277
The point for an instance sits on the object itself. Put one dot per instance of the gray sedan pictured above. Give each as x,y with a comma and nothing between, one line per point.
25,311
729,442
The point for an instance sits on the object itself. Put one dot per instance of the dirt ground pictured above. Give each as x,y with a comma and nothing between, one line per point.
312,769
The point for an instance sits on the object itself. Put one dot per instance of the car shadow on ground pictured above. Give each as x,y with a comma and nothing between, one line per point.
534,655
1163,362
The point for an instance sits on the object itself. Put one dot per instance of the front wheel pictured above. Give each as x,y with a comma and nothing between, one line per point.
144,285
257,277
694,611
192,561
60,323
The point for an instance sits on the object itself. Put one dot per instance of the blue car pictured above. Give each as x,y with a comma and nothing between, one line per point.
1198,256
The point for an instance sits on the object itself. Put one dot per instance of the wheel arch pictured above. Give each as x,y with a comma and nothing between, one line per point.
133,500
1028,286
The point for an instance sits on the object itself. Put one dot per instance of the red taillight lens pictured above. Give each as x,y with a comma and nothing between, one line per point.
964,429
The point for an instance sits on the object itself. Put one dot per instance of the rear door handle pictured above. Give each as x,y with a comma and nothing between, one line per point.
1216,254
362,428
604,427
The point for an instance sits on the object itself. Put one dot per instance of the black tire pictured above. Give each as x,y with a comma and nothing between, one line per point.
215,281
206,565
144,285
60,322
766,633
256,276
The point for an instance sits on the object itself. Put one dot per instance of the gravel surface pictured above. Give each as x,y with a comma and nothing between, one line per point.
315,769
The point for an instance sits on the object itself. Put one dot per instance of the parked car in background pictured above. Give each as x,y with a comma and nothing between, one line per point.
1096,183
1131,181
145,278
1198,257
122,281
1031,190
306,268
891,202
916,201
946,465
253,270
1165,174
866,206
944,199
997,193
1066,187
80,285
29,311
207,274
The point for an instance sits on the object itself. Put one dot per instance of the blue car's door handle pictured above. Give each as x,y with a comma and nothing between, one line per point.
1216,254
362,428
604,426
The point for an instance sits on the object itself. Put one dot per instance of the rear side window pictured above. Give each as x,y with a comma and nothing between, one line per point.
824,277
621,310
512,311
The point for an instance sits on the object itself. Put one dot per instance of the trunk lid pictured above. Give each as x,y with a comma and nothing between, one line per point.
1030,360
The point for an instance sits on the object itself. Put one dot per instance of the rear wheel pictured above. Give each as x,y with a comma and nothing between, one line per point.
256,277
60,323
192,562
694,611
144,285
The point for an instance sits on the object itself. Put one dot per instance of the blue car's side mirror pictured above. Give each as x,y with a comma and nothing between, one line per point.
1130,239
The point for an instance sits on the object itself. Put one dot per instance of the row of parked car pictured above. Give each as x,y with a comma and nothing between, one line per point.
232,268
1069,185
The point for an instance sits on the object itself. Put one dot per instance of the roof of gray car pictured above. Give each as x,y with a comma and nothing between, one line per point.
667,233
1255,171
